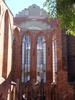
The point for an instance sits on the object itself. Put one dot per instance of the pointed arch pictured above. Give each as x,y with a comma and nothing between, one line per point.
26,48
16,35
41,46
41,33
41,58
53,42
5,46
16,58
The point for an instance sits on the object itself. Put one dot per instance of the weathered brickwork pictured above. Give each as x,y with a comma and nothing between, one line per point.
6,25
5,49
11,38
16,54
62,89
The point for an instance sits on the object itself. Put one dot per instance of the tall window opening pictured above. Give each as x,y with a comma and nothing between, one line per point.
5,48
54,58
41,59
26,58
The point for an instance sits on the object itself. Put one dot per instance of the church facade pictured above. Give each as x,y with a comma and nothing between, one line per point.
36,56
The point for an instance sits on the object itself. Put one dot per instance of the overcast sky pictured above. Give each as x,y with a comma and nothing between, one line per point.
18,5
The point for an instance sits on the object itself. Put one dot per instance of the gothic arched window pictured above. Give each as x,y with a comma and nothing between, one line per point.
5,46
41,59
54,57
26,58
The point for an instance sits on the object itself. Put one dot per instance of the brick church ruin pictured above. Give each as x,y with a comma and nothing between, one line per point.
36,56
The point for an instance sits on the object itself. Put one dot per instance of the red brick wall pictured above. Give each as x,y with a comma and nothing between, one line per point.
6,26
5,50
16,66
63,89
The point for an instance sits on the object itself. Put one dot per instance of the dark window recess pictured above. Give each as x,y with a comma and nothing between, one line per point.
71,69
34,7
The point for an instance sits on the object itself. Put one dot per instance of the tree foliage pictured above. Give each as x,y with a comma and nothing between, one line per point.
64,10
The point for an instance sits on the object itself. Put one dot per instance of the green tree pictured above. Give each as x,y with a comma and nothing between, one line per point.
64,10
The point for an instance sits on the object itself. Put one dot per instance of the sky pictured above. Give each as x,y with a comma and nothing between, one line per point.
18,5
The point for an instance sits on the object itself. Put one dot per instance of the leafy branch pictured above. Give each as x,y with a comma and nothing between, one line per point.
64,10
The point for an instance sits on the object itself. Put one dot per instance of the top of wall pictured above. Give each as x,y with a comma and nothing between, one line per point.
32,10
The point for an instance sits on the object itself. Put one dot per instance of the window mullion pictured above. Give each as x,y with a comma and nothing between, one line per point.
24,61
27,64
